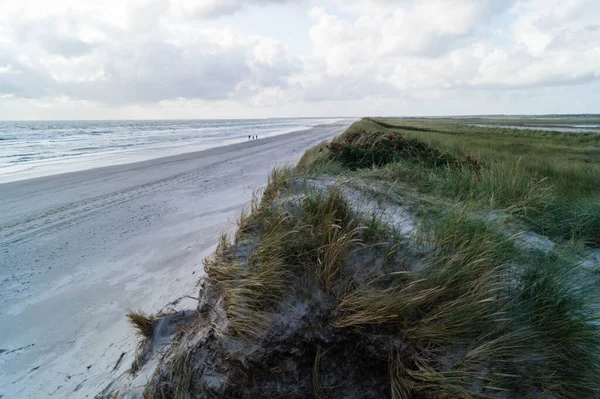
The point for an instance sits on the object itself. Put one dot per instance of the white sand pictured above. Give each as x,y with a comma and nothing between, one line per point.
79,249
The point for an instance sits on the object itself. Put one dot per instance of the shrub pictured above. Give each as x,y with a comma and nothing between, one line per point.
363,149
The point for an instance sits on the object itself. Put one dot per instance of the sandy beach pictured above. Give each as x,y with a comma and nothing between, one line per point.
77,250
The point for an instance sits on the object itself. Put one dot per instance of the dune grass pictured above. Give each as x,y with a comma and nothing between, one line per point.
143,323
478,318
180,374
479,315
554,300
515,322
313,237
548,180
251,289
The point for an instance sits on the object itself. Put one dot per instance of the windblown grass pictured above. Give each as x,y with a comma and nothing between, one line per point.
549,180
401,385
316,377
469,256
502,322
180,375
477,315
315,157
251,289
143,323
555,297
285,242
277,181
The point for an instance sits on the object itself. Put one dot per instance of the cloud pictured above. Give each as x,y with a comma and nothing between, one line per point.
142,57
219,8
459,44
124,53
210,8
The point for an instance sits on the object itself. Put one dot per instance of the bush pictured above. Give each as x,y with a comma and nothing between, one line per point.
364,149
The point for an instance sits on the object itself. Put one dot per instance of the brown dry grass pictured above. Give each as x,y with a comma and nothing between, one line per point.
143,323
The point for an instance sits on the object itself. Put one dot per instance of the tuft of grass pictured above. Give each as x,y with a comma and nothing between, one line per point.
142,323
375,229
181,373
316,377
279,246
577,220
401,385
252,288
246,222
322,208
334,253
335,230
179,379
276,182
462,277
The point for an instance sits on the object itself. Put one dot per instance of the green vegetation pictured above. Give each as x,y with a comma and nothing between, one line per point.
550,181
311,239
480,317
460,305
531,121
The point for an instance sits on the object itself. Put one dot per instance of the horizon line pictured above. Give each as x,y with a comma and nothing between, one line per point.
555,115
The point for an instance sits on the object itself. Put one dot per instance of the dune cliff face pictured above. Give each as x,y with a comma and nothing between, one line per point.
282,343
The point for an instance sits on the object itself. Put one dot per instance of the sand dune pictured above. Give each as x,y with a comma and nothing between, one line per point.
77,250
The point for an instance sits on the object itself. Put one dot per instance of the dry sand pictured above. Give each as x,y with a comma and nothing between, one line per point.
79,249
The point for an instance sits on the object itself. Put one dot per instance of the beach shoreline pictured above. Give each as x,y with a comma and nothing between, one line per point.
139,146
79,249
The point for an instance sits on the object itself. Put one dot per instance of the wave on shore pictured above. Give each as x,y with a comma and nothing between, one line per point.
39,148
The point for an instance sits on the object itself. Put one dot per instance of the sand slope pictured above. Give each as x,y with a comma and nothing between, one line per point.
78,249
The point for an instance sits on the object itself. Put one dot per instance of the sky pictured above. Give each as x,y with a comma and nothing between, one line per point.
179,59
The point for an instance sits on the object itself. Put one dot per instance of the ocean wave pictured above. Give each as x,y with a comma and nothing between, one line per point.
35,141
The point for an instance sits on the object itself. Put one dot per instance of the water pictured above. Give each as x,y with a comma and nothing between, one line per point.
55,146
553,128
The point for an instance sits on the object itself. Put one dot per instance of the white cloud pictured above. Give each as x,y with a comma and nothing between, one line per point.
208,8
147,56
181,54
449,44
217,8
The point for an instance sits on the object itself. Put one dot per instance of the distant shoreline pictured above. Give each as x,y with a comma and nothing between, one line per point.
88,162
549,128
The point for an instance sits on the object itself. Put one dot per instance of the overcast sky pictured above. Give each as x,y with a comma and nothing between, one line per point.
142,59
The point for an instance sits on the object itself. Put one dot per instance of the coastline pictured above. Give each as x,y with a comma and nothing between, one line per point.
81,248
78,163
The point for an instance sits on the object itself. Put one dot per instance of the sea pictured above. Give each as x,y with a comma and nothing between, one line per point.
37,148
